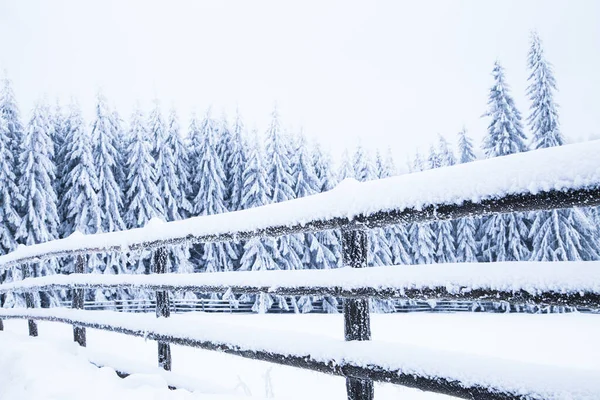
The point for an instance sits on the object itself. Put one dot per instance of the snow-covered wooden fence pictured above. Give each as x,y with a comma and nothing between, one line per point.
547,179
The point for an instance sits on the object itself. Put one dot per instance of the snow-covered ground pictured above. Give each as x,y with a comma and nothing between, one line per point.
565,340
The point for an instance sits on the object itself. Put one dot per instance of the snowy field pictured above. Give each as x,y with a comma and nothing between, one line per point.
566,340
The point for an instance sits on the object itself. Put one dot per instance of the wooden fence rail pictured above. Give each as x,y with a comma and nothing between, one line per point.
517,195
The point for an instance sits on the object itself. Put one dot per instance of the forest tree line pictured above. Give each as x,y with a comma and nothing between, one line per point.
60,175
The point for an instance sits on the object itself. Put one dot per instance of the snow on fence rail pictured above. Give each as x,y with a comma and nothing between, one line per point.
451,373
574,283
553,178
558,177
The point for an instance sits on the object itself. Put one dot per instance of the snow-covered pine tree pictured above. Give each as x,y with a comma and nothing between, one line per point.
558,235
142,197
290,248
172,178
306,183
445,152
503,237
107,155
258,253
80,182
209,179
420,235
142,200
237,164
466,228
79,202
10,111
379,250
465,147
445,250
234,178
505,131
324,173
397,235
58,134
38,206
329,239
224,147
434,160
9,216
121,136
543,118
346,169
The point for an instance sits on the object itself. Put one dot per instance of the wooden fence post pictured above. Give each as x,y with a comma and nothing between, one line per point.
79,335
30,302
357,321
162,307
2,297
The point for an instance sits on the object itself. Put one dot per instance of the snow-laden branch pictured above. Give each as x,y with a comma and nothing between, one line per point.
558,177
547,283
452,373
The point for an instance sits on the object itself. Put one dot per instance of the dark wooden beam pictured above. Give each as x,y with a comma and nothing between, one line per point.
548,200
585,299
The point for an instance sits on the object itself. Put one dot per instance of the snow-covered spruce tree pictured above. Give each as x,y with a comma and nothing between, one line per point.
503,237
443,230
329,239
346,170
237,164
9,216
326,180
38,203
224,137
10,111
106,153
543,118
379,250
445,152
58,134
420,235
172,178
108,168
122,139
209,181
558,235
433,160
258,253
290,249
79,202
306,183
466,228
505,131
397,235
80,182
466,153
142,198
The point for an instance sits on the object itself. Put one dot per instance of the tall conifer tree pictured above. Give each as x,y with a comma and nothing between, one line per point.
503,237
558,235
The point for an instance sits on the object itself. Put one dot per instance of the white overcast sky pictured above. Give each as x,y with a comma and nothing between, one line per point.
386,73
